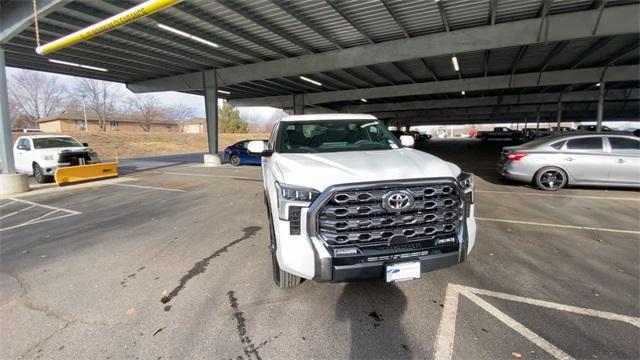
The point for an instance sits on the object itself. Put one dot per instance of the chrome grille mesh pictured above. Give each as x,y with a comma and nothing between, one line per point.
357,216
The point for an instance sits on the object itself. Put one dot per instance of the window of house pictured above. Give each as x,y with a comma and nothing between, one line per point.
168,126
114,125
80,124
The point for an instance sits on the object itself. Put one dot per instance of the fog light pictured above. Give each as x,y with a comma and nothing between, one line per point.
445,241
346,251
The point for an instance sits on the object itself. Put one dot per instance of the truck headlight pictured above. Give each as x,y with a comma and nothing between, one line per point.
467,184
47,157
289,195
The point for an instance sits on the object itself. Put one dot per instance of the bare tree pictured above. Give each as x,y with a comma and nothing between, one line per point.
178,113
147,107
101,98
35,95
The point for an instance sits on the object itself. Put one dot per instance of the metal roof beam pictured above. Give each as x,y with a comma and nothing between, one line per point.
443,16
593,49
16,16
233,6
562,77
568,26
306,21
494,110
353,25
395,18
551,98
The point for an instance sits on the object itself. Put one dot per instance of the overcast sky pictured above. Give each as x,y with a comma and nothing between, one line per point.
253,114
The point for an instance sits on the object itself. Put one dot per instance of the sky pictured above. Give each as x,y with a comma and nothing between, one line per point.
251,114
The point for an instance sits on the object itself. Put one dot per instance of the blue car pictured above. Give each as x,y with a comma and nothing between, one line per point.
237,154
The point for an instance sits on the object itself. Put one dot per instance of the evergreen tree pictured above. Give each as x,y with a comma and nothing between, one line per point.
229,120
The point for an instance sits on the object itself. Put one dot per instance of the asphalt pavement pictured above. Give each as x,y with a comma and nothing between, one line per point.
171,262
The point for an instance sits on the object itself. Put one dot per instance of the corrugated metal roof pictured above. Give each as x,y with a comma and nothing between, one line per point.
250,31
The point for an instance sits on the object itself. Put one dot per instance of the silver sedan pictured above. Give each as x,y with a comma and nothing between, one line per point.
600,159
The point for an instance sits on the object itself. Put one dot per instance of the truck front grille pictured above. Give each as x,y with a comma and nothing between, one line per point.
358,216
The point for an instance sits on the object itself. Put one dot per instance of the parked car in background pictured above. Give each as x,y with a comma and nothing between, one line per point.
499,133
26,130
571,158
41,155
592,128
237,154
529,134
418,136
562,129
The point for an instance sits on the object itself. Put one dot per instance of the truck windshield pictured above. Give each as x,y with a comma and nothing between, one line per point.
333,136
55,142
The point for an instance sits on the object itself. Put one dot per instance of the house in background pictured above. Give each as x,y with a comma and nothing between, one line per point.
70,121
194,126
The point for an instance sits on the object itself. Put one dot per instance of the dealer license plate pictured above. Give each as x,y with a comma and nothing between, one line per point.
403,271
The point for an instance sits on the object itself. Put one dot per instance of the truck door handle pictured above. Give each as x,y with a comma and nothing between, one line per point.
620,161
569,159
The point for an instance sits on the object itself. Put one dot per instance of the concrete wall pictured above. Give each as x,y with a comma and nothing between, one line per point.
65,125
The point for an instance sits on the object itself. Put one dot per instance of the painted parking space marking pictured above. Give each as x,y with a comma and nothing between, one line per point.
559,195
445,337
214,175
148,187
59,212
563,226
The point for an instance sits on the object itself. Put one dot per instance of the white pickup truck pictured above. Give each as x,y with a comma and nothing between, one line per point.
347,201
41,155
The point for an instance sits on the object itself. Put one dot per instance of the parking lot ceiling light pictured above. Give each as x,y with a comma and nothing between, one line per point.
187,35
311,81
224,92
598,84
463,92
68,63
363,100
454,61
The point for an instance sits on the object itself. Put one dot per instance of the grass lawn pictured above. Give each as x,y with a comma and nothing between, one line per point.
147,144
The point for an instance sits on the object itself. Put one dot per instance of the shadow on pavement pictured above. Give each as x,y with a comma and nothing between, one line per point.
374,312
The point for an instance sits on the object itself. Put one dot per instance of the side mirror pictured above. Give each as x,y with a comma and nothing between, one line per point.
85,144
407,141
258,147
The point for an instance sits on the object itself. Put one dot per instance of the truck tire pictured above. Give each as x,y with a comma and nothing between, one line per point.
281,278
39,175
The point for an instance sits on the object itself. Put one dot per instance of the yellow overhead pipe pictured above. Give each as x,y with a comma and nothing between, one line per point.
146,8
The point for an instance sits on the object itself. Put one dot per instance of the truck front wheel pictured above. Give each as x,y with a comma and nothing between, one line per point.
39,175
282,278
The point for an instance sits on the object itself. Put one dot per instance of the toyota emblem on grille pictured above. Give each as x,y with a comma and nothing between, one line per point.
397,201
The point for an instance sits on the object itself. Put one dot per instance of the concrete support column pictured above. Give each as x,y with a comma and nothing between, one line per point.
6,151
298,104
209,80
600,107
10,182
559,113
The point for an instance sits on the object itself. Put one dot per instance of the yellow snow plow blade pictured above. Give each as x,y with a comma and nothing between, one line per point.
81,173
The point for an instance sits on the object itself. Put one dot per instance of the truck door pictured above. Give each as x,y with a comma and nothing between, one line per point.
22,152
624,160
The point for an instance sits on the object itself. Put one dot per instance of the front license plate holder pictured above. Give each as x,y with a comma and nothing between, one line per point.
402,271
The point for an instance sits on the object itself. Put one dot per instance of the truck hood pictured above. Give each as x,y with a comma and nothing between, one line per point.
321,170
54,151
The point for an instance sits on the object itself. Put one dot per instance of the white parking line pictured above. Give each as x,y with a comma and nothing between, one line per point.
17,212
635,232
41,218
9,203
519,328
443,347
559,195
213,175
149,187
